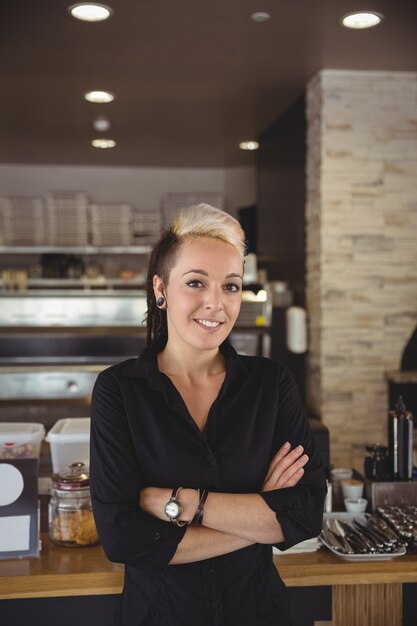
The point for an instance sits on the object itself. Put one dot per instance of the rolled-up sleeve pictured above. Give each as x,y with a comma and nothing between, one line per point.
128,534
299,509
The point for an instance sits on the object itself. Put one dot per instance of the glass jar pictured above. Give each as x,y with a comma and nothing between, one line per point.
70,515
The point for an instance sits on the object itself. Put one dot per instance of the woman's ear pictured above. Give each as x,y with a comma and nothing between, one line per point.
158,287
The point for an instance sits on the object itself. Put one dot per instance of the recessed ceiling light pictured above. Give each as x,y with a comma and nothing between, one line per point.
249,145
103,143
260,16
101,124
90,12
99,96
365,19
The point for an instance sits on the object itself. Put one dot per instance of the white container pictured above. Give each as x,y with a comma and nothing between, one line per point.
296,323
20,440
340,473
356,505
337,475
352,488
70,442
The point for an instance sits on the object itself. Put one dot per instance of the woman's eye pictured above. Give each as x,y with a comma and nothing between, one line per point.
232,287
194,283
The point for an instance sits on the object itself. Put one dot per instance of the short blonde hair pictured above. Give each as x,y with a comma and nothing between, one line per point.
204,220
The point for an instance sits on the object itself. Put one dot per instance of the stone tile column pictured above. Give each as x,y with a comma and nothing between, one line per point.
361,246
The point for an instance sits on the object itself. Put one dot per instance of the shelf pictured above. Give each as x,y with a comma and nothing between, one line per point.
84,283
96,250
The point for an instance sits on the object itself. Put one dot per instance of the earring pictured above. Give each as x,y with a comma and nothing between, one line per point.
160,302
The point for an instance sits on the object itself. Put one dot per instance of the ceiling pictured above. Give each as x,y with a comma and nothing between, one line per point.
192,78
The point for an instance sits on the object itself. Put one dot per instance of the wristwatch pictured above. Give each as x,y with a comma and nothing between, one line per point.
173,507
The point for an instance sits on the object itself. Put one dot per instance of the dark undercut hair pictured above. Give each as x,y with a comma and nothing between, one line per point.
163,258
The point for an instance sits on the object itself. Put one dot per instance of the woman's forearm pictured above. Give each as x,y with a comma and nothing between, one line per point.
201,543
244,515
241,515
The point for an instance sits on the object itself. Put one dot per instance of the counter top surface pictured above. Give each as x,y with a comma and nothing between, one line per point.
86,571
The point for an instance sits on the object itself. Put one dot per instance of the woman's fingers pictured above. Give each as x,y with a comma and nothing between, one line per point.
295,478
284,469
284,473
284,458
282,452
292,481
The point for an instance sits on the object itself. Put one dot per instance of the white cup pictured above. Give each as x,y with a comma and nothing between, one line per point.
352,488
341,473
337,475
355,505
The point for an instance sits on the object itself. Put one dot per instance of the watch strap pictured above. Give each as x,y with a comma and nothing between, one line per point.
198,516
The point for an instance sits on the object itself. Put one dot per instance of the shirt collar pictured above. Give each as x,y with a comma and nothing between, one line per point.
146,364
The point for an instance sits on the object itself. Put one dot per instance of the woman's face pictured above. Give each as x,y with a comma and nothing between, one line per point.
203,295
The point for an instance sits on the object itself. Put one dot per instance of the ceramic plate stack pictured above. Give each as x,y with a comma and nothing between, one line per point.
22,221
67,218
146,227
111,224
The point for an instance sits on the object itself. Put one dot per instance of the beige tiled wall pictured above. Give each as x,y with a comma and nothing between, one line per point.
361,246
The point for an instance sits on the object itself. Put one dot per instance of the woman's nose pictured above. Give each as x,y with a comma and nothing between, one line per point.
214,301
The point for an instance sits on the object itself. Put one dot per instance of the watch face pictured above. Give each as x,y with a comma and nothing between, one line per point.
172,509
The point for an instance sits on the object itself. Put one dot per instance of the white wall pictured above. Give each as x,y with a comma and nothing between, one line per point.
141,186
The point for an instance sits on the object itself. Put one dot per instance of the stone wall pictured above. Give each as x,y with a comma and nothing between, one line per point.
361,246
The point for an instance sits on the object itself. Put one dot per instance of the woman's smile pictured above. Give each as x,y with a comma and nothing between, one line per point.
208,324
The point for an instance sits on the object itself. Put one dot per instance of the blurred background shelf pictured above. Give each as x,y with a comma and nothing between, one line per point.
139,249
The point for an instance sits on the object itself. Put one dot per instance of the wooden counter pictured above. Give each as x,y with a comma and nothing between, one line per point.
60,572
86,571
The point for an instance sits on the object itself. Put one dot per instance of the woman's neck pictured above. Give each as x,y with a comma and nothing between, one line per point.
190,364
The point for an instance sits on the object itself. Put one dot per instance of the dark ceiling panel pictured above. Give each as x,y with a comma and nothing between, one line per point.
191,78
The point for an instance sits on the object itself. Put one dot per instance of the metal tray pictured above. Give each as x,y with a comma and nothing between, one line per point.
361,517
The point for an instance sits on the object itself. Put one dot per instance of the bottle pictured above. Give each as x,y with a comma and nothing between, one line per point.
400,442
376,462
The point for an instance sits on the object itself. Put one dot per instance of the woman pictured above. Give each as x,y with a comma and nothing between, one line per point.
201,459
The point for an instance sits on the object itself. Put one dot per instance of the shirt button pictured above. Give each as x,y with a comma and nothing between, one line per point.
295,506
209,458
211,572
157,536
214,605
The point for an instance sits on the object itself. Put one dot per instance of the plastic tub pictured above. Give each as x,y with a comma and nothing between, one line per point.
70,442
20,440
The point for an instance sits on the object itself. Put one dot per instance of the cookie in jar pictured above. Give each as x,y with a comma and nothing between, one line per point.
70,516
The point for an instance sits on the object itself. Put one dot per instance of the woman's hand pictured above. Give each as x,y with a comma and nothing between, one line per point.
286,468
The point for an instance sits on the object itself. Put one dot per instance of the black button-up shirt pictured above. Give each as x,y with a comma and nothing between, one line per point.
143,435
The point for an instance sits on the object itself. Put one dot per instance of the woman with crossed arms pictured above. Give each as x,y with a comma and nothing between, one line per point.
201,459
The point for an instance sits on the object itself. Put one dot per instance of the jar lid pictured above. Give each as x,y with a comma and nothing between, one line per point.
75,477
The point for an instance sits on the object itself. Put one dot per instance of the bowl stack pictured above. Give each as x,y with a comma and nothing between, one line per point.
111,224
22,221
67,214
146,227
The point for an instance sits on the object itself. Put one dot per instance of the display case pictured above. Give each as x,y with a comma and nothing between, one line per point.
28,268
